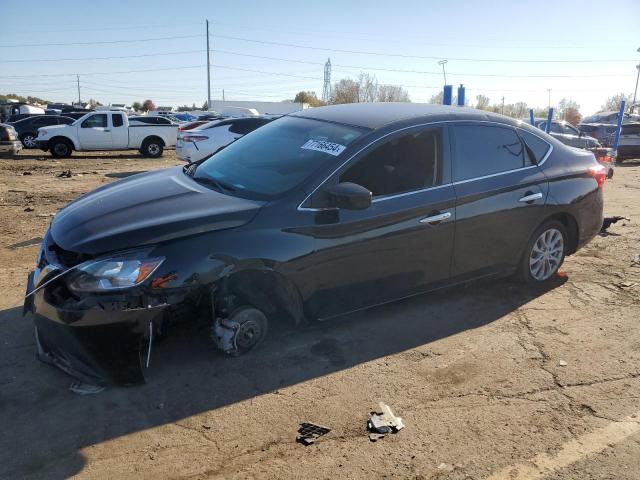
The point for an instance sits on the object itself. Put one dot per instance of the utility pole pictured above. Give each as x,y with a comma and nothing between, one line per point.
223,94
549,90
78,79
635,92
502,112
208,71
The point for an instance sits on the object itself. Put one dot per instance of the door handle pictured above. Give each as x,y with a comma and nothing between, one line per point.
106,130
436,218
531,197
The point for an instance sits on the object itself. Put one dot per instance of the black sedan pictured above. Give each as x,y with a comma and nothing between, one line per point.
322,212
27,128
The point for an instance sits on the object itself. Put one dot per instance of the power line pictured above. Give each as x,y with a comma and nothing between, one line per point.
109,42
423,57
183,52
105,73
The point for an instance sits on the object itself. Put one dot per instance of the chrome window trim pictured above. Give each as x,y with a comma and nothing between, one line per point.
389,197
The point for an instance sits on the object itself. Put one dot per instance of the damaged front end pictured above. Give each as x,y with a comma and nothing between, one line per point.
93,316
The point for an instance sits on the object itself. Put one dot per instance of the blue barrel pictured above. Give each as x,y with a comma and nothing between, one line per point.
461,95
447,97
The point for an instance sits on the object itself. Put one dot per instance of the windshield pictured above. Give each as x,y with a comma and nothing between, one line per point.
277,157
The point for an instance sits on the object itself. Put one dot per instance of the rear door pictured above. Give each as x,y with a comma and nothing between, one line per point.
401,244
94,132
500,198
119,131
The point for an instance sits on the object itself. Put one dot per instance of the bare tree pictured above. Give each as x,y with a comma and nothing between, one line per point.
613,103
572,115
308,97
366,89
345,91
392,93
566,104
482,102
437,98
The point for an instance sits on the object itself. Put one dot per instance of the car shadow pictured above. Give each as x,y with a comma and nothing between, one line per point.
83,156
45,425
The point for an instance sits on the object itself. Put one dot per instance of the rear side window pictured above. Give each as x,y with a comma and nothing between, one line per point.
538,148
484,150
96,121
117,120
630,129
406,163
44,121
65,120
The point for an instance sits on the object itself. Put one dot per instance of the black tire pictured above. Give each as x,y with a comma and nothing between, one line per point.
152,147
60,148
253,328
539,267
28,140
610,173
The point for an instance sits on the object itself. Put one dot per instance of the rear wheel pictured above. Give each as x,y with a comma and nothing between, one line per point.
545,253
152,148
60,148
28,140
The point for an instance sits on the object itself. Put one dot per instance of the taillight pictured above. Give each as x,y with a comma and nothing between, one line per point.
605,158
194,138
598,172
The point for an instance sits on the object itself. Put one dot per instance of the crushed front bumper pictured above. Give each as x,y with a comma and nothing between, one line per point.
94,345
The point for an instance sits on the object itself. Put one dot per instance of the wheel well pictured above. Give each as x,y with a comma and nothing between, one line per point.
27,133
64,139
571,225
265,290
153,137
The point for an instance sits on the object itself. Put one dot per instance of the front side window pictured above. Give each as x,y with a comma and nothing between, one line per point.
96,121
277,157
484,150
406,163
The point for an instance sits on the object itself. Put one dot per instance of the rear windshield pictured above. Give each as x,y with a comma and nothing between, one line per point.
277,157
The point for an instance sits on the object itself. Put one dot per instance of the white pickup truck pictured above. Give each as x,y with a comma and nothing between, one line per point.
107,131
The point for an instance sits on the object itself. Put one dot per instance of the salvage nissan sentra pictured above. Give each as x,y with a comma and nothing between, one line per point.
319,213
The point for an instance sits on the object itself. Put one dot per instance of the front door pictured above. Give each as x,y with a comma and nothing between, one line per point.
500,198
94,133
402,244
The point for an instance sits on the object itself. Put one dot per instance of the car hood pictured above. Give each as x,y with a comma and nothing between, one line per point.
145,209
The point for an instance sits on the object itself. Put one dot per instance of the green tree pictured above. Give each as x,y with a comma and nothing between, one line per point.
309,98
137,106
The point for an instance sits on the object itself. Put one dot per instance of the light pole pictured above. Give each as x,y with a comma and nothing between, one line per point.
635,92
443,62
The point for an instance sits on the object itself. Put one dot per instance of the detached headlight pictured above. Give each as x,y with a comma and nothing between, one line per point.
113,274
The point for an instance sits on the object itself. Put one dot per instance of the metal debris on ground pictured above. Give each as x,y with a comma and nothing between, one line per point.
608,221
29,209
309,433
65,174
81,388
383,422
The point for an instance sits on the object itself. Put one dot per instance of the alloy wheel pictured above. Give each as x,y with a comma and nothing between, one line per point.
29,141
546,254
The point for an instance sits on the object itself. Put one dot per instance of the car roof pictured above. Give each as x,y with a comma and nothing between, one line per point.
376,115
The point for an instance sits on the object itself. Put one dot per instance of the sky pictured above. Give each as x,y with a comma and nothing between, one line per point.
270,50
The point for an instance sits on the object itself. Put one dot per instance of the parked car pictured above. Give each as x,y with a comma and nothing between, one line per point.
9,143
204,141
567,134
185,117
319,213
611,117
629,144
27,128
603,132
9,108
107,131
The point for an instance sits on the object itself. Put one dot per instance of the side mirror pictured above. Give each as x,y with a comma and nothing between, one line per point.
349,196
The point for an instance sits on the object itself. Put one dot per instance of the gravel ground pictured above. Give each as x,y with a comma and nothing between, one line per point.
492,380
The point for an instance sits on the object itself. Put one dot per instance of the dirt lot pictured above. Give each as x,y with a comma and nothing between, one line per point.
492,380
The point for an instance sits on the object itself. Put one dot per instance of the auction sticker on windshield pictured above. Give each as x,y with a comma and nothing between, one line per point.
334,149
